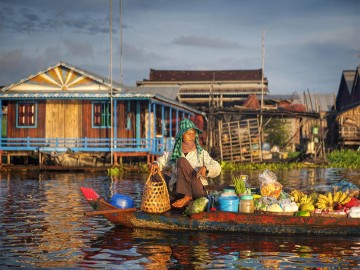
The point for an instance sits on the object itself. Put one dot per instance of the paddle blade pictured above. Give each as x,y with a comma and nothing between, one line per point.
89,193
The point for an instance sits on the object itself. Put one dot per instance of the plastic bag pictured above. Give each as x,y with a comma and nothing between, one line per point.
269,185
346,186
267,177
197,206
264,202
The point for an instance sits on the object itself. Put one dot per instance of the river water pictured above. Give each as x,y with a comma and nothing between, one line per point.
42,226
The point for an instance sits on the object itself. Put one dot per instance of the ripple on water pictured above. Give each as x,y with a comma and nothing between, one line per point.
42,225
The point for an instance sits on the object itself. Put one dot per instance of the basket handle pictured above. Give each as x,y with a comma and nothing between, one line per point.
152,174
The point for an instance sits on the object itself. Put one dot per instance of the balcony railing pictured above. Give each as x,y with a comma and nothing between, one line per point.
351,133
154,146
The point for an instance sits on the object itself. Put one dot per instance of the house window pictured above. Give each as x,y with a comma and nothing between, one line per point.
26,114
101,114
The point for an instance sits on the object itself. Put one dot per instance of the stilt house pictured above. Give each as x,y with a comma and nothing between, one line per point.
237,105
348,110
67,116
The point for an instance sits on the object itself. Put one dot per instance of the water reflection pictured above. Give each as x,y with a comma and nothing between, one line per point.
300,178
42,225
197,250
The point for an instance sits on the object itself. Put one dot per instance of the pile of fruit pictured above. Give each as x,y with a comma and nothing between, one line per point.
339,201
302,204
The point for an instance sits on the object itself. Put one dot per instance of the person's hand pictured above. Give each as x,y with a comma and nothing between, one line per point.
154,168
201,172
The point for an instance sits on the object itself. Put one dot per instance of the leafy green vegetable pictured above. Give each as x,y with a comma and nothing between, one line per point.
239,183
197,206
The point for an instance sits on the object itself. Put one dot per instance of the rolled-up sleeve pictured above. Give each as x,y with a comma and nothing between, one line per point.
163,161
213,167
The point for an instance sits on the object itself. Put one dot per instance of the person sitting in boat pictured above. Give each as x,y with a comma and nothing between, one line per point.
189,165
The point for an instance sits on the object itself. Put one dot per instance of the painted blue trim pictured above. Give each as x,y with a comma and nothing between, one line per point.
170,124
177,121
162,121
154,126
167,105
138,119
149,122
35,115
105,103
115,119
1,120
79,144
128,119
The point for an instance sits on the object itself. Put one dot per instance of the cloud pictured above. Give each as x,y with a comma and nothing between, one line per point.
78,49
201,41
28,20
136,56
16,66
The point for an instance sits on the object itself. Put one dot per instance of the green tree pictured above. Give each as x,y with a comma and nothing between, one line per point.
276,132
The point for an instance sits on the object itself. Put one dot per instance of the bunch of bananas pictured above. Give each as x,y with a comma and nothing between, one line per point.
341,197
300,197
296,195
325,201
314,196
305,199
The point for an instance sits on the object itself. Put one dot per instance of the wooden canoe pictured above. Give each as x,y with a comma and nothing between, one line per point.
264,223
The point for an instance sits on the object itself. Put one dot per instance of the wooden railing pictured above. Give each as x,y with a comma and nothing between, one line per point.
154,146
349,133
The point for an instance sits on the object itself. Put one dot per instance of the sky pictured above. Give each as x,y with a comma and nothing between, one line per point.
303,45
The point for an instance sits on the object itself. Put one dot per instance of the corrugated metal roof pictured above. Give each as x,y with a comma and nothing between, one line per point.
294,97
169,92
322,102
205,75
68,94
96,96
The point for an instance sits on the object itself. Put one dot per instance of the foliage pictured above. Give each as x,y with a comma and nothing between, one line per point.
128,169
263,166
277,132
336,159
114,171
239,184
344,159
292,155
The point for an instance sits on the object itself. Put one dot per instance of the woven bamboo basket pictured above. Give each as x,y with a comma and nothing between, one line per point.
155,198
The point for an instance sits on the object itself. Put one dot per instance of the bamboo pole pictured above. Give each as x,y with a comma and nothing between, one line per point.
111,95
262,90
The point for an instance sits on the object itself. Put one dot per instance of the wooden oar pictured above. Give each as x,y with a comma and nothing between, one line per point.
111,211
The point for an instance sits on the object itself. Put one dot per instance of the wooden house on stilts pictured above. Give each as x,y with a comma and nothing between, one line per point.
241,114
347,111
67,116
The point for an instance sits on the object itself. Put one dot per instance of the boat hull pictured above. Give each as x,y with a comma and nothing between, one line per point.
229,221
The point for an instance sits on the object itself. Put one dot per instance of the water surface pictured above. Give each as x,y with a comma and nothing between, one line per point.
42,226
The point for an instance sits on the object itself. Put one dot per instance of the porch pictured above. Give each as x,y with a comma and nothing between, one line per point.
95,149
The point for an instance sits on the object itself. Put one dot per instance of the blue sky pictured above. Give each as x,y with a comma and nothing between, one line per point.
308,43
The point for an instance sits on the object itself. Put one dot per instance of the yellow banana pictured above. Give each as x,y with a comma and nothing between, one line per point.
330,197
321,205
346,200
323,198
343,197
309,200
337,195
303,199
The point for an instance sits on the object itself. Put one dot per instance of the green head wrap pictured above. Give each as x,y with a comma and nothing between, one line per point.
184,125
